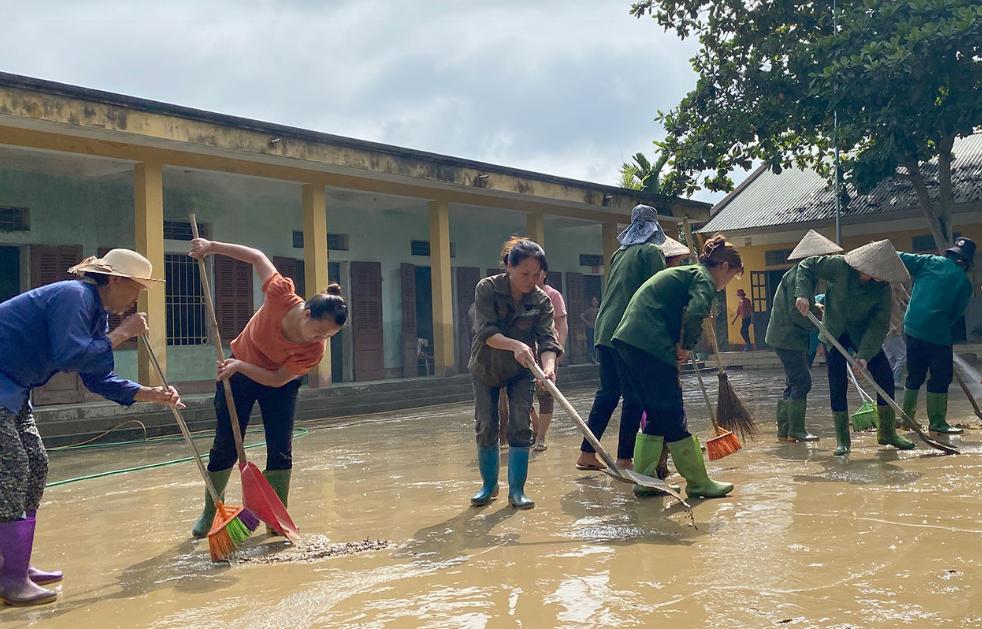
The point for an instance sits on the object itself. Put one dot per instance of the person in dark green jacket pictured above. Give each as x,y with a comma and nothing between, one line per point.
789,334
513,323
661,325
638,258
857,313
940,297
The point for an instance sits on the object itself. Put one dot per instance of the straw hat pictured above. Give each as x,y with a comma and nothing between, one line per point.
814,244
672,248
121,263
879,260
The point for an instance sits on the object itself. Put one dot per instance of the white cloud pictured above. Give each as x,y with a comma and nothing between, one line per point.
564,87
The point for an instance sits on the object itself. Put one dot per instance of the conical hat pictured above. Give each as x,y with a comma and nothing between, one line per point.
879,260
814,244
672,248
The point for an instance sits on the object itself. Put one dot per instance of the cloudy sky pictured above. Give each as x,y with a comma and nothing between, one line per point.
567,87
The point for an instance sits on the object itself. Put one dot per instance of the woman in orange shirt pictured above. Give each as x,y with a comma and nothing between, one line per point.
283,341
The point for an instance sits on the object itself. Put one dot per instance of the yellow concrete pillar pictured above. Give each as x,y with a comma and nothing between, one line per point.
443,336
315,259
610,244
535,225
148,195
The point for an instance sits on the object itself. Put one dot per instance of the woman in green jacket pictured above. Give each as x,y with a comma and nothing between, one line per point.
661,324
638,258
940,296
789,335
857,313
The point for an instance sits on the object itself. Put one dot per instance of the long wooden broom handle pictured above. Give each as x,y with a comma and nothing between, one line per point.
908,422
587,433
182,424
216,338
705,394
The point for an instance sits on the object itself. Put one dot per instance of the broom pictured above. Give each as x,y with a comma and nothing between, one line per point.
233,524
723,443
731,413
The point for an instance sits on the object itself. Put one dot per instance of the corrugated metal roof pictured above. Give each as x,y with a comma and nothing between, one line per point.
797,196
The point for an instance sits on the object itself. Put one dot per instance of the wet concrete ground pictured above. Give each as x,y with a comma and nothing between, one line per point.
879,539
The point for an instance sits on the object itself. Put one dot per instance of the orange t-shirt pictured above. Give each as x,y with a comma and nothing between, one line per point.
262,342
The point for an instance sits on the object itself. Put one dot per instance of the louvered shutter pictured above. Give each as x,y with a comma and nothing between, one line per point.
233,296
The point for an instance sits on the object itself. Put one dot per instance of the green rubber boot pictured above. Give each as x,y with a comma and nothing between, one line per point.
910,402
692,467
782,420
279,480
937,413
203,525
795,411
842,438
886,434
647,455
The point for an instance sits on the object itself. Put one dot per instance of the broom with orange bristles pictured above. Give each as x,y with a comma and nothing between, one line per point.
723,443
232,524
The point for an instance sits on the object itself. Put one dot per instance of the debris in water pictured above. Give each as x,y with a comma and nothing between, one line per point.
311,548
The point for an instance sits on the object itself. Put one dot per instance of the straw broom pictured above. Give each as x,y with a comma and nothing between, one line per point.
233,524
731,413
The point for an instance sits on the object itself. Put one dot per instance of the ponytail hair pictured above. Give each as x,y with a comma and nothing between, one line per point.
517,249
329,305
718,250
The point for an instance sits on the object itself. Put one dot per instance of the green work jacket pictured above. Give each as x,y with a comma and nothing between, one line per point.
529,321
940,297
674,301
629,268
786,328
860,309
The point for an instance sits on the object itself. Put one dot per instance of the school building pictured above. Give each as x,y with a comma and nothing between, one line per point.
407,233
768,214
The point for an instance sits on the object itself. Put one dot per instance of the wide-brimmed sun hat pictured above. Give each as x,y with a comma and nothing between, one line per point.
879,260
121,263
814,244
644,228
673,248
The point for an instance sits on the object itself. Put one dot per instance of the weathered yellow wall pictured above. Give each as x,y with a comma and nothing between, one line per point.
753,260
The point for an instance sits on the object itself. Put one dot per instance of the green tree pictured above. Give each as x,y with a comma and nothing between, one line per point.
640,174
902,77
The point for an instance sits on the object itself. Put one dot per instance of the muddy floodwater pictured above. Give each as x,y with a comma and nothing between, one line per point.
879,539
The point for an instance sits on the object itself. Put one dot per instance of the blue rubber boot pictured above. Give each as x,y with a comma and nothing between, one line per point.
518,471
487,463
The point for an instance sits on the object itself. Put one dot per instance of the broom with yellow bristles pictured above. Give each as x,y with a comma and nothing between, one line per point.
233,524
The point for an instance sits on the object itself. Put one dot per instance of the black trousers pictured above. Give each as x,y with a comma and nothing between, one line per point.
879,368
924,357
605,401
278,406
656,385
797,373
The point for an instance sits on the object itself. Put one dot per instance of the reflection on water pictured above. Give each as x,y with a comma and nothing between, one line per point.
876,539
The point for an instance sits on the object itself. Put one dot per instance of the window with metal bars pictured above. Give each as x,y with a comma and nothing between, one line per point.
14,219
185,301
181,230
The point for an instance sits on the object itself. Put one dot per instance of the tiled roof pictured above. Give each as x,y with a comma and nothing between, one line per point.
797,196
